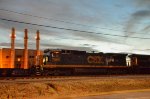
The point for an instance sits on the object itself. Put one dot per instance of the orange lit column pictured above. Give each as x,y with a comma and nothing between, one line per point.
12,52
37,48
25,49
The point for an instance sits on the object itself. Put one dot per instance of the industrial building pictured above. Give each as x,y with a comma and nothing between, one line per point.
20,58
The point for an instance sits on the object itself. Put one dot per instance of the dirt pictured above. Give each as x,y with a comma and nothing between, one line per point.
57,89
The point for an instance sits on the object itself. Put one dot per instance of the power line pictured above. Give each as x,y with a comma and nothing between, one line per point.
47,18
40,25
67,21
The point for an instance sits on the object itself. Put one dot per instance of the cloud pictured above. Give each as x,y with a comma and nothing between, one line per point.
5,44
138,17
135,19
8,45
142,3
82,15
56,46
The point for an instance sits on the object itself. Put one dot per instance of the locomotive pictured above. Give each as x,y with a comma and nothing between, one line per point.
68,62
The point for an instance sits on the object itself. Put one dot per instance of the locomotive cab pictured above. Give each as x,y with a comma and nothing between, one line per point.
51,57
55,56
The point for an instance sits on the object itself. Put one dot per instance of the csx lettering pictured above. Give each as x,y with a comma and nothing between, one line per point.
94,59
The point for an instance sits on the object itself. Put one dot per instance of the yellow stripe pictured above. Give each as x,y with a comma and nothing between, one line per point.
82,66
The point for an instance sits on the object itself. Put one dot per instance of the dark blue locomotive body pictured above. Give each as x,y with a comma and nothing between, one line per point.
73,60
73,57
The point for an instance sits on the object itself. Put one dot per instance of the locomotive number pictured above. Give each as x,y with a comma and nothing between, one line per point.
94,59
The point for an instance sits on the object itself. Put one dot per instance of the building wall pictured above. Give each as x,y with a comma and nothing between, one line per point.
5,58
31,56
19,58
0,58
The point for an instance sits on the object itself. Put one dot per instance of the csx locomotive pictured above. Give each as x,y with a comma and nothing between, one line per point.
60,61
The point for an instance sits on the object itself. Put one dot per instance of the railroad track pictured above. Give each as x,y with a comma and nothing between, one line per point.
56,77
66,78
32,77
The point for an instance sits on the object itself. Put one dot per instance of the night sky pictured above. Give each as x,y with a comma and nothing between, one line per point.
90,25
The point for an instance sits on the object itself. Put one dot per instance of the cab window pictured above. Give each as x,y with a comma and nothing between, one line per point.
56,54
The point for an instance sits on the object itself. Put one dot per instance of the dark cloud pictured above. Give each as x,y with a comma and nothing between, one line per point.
135,19
5,44
87,45
143,3
147,28
138,16
9,45
57,46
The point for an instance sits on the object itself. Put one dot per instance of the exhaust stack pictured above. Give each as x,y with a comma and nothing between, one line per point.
37,42
12,52
25,49
37,48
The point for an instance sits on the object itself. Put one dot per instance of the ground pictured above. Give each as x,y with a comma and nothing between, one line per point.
68,88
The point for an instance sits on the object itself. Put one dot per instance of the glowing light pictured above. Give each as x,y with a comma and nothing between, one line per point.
56,52
18,59
35,37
